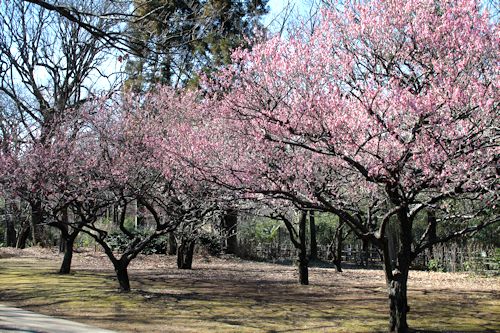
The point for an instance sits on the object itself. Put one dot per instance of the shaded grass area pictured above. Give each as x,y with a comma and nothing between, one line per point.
244,297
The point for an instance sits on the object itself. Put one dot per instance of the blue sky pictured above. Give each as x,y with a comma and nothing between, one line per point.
277,6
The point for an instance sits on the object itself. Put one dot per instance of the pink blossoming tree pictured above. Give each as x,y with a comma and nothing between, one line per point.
115,151
139,151
388,109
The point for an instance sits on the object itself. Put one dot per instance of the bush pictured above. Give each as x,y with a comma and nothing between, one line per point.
211,243
435,266
260,230
118,242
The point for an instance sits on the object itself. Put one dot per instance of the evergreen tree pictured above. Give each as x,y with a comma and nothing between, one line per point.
181,38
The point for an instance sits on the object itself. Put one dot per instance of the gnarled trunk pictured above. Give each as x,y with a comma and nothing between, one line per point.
185,253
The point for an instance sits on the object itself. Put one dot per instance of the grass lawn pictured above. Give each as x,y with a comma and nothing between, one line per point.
231,295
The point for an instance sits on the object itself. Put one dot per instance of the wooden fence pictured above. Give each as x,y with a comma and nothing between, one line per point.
447,258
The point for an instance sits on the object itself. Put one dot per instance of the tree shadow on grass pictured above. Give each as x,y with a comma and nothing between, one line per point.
241,298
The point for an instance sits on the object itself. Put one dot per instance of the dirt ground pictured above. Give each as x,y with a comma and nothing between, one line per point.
231,295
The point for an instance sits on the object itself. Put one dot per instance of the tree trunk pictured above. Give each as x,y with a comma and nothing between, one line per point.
397,275
172,244
140,216
63,243
23,237
116,215
10,230
398,302
185,254
432,235
36,223
364,253
300,245
122,276
335,247
338,264
303,270
230,222
337,256
69,241
10,234
63,239
314,243
303,261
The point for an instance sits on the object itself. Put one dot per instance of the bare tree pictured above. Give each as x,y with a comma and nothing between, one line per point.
48,65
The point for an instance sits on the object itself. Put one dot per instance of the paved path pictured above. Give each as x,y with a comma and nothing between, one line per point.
14,320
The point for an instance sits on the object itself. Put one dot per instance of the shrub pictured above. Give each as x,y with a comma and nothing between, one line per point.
211,243
118,242
435,266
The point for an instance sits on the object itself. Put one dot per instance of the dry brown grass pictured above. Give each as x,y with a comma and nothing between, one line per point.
232,295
